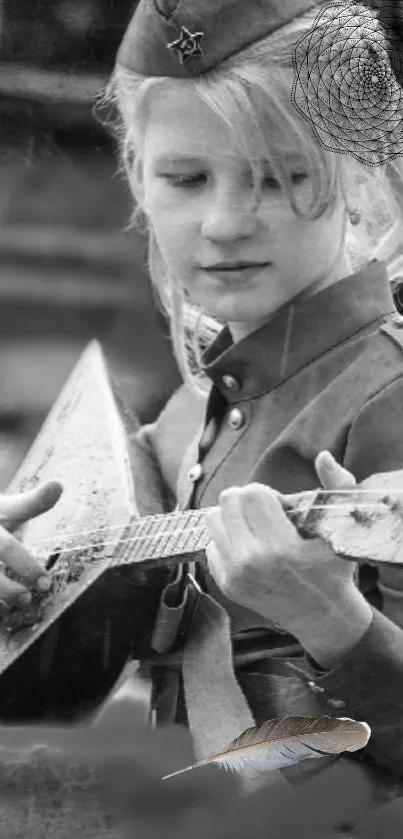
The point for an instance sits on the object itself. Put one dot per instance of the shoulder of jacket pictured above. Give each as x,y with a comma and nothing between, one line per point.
377,362
392,328
181,415
184,398
380,365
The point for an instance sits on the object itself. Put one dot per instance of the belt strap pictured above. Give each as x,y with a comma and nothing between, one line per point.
217,710
216,707
212,650
241,658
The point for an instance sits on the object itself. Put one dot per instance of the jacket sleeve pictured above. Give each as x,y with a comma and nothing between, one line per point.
368,682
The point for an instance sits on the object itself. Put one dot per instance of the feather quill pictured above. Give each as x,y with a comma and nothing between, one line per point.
285,741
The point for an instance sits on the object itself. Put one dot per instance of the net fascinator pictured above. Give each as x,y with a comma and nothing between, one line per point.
348,79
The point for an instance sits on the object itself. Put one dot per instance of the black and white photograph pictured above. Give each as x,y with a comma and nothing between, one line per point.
201,419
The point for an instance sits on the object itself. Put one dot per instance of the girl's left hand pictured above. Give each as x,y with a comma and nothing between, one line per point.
258,559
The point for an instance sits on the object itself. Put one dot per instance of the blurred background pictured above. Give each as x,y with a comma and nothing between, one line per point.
68,271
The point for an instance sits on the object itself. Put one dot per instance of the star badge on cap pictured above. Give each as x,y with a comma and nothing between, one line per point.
187,45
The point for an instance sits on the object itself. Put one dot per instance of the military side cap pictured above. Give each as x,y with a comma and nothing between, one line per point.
186,38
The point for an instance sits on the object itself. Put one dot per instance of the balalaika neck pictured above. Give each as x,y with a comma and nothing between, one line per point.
361,524
157,537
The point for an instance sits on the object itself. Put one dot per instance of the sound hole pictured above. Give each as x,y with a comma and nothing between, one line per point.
51,562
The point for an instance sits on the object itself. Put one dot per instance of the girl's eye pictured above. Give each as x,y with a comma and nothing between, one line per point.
193,180
299,177
183,180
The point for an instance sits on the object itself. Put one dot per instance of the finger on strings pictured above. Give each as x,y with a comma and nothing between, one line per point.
233,516
218,550
216,564
331,475
21,563
218,532
261,508
12,594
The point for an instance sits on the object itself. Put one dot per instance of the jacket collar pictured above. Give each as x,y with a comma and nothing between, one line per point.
299,333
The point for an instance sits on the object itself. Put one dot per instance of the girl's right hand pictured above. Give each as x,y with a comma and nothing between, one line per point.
15,510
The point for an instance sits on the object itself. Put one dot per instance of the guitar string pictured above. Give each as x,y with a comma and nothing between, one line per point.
155,516
105,530
153,537
164,516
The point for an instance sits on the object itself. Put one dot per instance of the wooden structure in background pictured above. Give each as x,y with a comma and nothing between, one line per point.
68,271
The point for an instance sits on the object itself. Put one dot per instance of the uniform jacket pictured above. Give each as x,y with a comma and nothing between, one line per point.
325,373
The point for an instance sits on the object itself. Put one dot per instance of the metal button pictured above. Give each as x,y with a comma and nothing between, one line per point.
230,382
195,472
398,321
236,419
336,703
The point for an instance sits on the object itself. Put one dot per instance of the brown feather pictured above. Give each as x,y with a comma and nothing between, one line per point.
284,741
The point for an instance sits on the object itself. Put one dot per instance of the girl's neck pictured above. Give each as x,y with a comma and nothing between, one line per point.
341,269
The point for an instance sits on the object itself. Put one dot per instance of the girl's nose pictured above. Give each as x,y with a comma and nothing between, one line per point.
230,216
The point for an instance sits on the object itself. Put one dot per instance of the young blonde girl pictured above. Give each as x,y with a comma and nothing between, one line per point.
199,213
284,363
377,191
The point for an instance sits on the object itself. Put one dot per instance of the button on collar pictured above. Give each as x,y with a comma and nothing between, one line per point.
397,321
236,419
230,382
195,473
281,347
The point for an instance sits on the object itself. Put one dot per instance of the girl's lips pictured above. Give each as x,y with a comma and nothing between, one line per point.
236,273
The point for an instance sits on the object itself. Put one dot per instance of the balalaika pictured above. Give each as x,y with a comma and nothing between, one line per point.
59,656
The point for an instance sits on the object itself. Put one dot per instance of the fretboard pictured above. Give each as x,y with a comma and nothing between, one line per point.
164,535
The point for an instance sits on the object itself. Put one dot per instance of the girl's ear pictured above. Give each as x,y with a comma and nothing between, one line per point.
351,185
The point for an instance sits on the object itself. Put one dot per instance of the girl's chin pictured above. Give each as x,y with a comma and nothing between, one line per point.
241,313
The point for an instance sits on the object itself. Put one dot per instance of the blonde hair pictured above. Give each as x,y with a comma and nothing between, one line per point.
239,93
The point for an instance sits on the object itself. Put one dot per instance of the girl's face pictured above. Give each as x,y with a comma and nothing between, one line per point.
197,191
